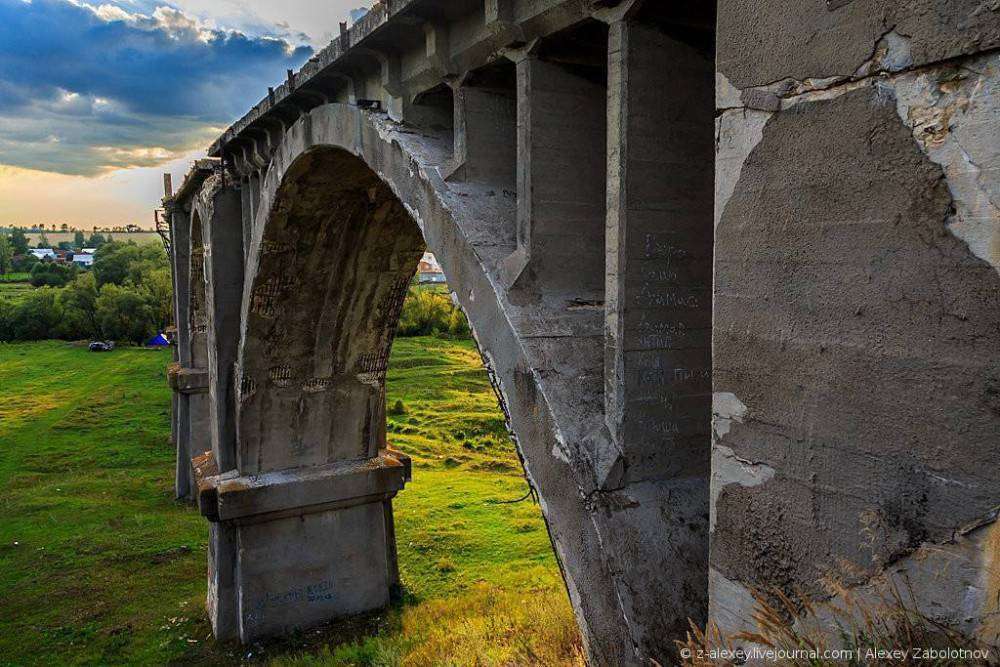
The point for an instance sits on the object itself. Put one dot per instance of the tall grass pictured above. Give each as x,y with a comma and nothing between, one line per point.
487,626
886,629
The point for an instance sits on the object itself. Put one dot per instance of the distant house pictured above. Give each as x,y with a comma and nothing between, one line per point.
89,251
44,253
83,259
429,271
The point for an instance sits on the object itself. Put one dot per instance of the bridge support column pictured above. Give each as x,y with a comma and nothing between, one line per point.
221,212
485,134
247,208
298,484
561,165
220,208
658,331
189,377
659,252
198,403
180,232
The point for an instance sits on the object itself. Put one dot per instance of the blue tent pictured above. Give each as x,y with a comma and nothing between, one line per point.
159,340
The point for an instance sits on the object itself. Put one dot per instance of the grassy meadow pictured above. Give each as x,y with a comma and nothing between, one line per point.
99,565
15,291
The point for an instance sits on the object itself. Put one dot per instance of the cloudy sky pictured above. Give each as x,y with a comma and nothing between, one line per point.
99,97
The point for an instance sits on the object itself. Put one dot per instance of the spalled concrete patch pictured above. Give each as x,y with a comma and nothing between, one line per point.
737,133
727,467
839,290
953,114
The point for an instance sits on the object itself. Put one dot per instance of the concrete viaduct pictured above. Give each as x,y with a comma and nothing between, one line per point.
734,272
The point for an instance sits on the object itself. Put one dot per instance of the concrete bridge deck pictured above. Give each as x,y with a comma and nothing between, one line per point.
734,272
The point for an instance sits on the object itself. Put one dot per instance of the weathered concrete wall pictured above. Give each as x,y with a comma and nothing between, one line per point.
857,303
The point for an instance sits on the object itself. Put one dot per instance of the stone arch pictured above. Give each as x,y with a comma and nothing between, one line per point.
335,256
273,564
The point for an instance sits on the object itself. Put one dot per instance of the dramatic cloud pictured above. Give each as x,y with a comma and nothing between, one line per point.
88,87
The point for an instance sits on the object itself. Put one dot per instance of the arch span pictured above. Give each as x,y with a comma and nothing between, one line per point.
335,257
302,524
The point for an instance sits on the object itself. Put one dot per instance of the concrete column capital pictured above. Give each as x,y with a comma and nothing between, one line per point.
250,499
188,380
615,11
519,54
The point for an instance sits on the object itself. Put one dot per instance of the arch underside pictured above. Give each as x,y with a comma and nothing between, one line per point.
335,260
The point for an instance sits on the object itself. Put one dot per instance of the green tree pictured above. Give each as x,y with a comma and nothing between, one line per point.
25,263
37,317
79,302
158,285
96,240
6,255
113,262
78,240
43,240
20,242
50,274
124,313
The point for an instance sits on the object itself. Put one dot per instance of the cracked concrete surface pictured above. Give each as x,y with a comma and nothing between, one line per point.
952,112
868,184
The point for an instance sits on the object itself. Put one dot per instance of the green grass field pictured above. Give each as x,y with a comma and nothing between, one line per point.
14,292
14,277
99,565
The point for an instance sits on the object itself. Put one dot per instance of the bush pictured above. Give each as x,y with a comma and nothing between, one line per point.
24,263
124,313
427,313
50,274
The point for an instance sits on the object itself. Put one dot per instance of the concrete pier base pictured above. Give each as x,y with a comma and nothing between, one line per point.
299,547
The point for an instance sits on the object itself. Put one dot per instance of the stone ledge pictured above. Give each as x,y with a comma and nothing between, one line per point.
229,497
188,380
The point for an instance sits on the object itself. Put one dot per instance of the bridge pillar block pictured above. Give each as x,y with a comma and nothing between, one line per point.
485,134
295,548
220,209
561,188
659,252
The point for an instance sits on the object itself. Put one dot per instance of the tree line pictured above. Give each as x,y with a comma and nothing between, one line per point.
126,296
